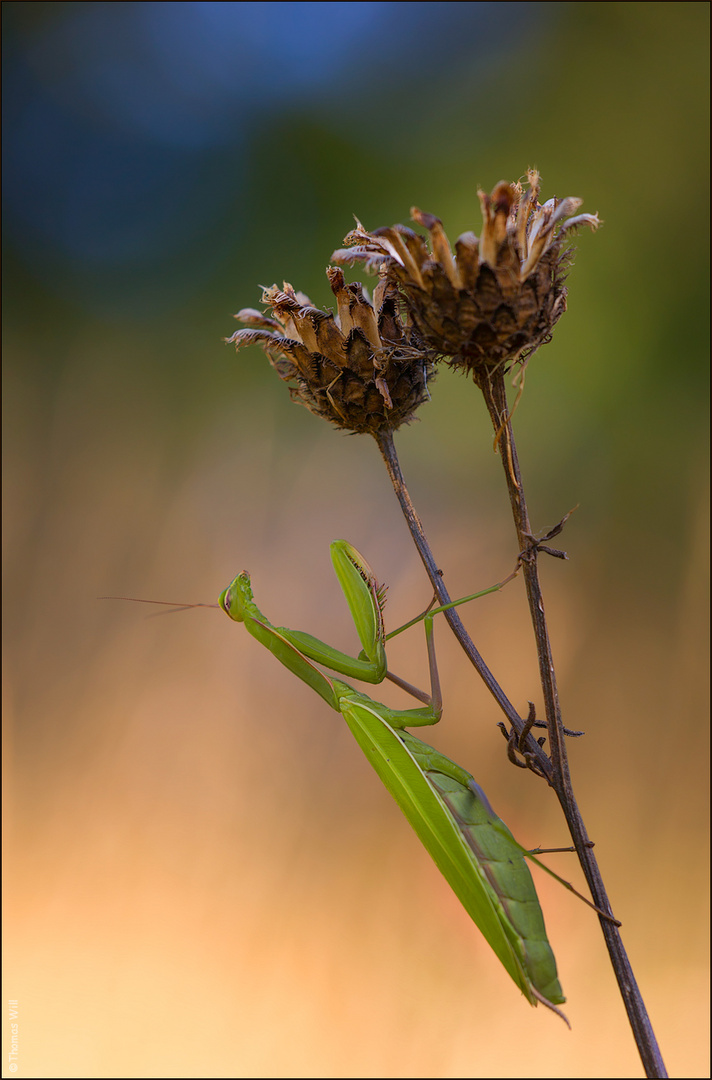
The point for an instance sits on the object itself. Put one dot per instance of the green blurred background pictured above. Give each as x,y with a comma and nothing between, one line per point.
204,878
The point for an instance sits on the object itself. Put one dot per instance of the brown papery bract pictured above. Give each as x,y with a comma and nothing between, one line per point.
495,299
365,369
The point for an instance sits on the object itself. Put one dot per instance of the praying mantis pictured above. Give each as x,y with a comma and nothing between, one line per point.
451,815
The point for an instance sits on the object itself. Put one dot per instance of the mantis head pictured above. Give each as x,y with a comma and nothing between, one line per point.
236,599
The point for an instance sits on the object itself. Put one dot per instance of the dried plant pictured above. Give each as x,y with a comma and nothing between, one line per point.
482,308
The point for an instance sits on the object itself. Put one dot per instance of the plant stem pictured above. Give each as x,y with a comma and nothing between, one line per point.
390,456
494,391
555,770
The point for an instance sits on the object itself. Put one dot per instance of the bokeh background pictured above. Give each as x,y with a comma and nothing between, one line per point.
203,876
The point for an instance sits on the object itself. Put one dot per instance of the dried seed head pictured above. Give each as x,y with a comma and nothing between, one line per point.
497,298
364,369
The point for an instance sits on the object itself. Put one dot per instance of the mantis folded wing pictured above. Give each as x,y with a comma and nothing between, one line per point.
473,848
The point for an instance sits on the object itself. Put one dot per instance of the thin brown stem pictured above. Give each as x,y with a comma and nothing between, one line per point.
555,770
388,450
494,391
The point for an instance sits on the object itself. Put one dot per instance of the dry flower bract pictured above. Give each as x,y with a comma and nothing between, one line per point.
364,369
497,298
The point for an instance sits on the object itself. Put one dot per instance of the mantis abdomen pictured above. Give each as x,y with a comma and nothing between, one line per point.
501,859
471,846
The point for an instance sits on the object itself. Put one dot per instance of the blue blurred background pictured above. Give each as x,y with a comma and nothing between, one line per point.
189,825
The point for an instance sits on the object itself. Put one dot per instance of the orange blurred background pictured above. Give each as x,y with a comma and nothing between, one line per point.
204,878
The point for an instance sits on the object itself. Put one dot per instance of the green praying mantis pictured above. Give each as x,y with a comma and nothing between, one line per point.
451,815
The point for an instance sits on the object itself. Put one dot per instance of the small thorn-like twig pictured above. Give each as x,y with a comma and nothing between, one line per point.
536,544
512,745
514,749
530,722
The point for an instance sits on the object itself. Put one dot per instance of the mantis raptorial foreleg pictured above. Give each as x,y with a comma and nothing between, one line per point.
450,813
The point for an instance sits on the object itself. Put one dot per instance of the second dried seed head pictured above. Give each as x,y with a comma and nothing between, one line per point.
365,369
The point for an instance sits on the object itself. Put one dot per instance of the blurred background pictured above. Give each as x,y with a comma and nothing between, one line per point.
203,876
